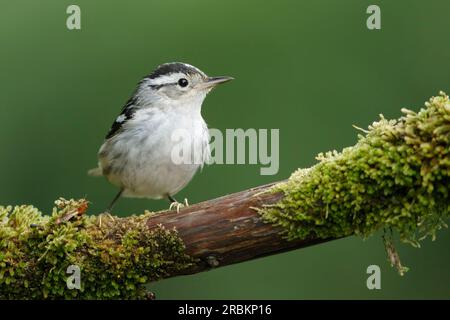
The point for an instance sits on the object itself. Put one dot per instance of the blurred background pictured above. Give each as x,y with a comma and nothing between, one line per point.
310,68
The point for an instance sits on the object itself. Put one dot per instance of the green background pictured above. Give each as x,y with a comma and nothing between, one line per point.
310,68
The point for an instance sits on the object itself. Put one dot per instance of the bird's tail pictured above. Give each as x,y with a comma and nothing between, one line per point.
96,172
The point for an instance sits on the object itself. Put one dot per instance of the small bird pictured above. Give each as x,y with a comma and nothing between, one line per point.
138,152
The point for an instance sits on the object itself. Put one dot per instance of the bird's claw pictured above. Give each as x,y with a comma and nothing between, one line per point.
179,205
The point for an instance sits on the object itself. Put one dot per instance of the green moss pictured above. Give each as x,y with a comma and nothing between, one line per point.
396,177
116,256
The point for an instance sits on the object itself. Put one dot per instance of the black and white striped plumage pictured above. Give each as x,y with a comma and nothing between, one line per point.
138,152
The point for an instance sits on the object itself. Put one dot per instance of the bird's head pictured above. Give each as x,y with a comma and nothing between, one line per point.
177,83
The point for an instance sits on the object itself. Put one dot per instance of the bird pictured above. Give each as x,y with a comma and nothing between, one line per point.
138,153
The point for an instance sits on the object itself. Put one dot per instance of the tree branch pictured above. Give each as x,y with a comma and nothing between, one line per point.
395,178
228,229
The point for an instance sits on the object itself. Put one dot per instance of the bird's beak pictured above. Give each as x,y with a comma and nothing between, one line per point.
211,82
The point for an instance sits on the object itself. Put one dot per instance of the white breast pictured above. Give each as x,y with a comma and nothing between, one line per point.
140,157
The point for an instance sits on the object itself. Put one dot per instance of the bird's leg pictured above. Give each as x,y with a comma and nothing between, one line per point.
113,202
175,204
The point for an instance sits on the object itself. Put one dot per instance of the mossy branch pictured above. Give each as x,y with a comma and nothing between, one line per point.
395,178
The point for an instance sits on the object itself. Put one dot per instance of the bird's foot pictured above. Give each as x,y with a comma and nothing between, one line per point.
104,214
178,205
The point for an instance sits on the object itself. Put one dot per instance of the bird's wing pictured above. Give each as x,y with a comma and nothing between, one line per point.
127,113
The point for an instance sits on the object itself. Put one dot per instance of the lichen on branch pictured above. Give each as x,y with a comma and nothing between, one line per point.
116,256
397,177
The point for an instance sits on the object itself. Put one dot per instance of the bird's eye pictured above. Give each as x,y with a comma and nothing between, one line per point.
183,82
